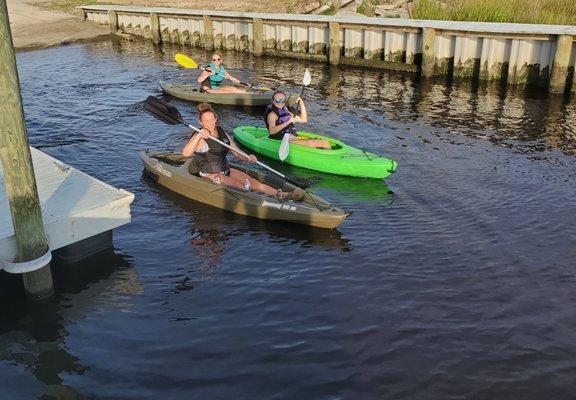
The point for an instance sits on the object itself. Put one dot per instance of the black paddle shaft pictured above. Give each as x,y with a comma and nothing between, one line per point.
163,111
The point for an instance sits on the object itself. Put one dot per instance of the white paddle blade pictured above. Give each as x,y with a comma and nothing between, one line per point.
307,78
284,148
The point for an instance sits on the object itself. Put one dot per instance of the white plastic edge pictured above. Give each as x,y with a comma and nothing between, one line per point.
27,266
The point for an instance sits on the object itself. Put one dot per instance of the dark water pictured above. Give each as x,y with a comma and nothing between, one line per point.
457,280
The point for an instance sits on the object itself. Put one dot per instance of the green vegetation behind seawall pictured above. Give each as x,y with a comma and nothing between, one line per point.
556,12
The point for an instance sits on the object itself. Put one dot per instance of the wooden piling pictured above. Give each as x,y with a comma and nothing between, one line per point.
81,13
560,65
208,33
258,32
19,176
113,21
155,28
428,52
334,43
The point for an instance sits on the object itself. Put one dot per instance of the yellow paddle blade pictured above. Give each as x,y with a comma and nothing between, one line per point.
185,61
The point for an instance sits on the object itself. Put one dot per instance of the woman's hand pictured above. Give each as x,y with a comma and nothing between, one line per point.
204,133
252,158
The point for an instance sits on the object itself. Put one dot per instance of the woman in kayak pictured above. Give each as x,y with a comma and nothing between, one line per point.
280,121
211,159
211,78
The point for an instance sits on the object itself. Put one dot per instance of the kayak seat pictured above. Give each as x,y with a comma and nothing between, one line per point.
170,158
193,167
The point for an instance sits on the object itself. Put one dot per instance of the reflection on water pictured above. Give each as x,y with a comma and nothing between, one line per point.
212,228
528,120
33,336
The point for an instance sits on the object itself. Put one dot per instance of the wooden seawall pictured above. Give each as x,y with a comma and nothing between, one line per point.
543,55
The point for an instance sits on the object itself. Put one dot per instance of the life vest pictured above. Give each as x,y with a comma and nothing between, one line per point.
283,116
214,160
215,81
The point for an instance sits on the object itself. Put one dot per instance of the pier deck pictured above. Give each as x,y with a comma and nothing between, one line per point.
75,206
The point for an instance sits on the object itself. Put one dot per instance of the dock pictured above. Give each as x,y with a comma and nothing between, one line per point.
75,206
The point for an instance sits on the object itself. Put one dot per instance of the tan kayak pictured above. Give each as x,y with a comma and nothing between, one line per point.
179,174
192,93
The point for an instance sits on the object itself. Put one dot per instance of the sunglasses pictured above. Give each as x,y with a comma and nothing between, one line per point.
216,59
280,99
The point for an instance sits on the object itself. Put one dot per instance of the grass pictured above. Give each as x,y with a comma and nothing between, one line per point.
555,12
294,6
65,5
368,7
329,11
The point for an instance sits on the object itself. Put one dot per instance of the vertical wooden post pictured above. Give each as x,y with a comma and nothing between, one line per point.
113,21
155,28
334,43
208,33
258,33
81,14
560,65
18,170
428,52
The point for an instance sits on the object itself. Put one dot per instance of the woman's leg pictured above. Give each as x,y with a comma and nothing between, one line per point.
224,180
255,184
323,144
226,89
231,89
237,179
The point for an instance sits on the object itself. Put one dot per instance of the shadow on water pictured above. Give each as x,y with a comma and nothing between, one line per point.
33,336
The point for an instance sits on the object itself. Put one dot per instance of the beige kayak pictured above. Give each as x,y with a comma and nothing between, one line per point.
179,174
192,93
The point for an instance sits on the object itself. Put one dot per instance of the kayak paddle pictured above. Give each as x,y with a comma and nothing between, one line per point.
306,80
284,149
169,114
189,63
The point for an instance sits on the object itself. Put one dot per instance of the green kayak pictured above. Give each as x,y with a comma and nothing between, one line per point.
341,159
191,93
179,174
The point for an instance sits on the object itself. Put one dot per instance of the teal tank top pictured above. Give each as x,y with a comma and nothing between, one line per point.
216,80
